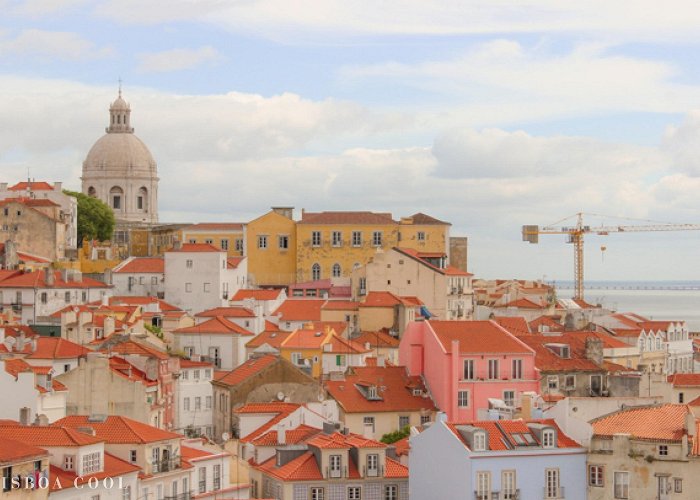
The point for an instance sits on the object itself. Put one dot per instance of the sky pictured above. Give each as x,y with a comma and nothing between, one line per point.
489,114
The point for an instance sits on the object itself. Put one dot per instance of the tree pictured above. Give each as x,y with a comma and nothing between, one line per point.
392,437
95,218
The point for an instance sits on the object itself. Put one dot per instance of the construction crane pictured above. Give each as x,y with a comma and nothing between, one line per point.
576,232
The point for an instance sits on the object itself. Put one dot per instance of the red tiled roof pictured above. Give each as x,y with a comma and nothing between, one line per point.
341,345
216,226
338,440
279,410
300,310
217,325
361,218
49,436
476,337
12,451
656,325
515,325
684,379
292,436
119,430
226,312
524,304
500,433
550,323
309,338
394,386
658,423
377,339
257,294
380,299
123,368
196,247
36,279
422,219
340,305
16,366
57,348
251,367
154,265
422,256
132,347
272,338
126,300
32,186
113,468
234,262
548,361
395,469
303,468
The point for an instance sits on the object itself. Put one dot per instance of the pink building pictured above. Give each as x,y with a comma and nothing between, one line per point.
466,363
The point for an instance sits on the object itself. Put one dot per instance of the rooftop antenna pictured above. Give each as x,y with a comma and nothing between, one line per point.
120,86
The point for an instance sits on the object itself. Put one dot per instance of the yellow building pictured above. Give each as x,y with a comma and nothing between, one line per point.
424,233
271,248
228,236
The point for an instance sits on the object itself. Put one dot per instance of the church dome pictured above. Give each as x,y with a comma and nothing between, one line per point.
119,152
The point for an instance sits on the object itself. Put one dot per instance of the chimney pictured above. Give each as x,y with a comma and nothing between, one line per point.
105,300
58,186
11,259
64,275
109,326
107,276
24,415
281,434
594,350
287,212
526,404
49,277
77,276
20,341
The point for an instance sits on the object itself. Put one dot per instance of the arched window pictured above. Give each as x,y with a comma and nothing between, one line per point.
316,272
92,192
336,270
142,199
116,195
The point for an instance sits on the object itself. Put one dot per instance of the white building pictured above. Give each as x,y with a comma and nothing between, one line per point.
219,341
35,296
194,394
140,276
198,276
44,190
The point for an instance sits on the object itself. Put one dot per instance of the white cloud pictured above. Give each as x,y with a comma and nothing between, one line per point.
40,8
49,45
682,142
324,19
176,59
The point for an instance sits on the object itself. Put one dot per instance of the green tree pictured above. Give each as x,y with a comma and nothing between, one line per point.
392,437
95,218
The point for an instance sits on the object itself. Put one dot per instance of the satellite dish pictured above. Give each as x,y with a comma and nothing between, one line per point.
225,436
280,396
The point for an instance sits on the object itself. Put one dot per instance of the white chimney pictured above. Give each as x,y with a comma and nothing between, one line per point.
368,431
281,434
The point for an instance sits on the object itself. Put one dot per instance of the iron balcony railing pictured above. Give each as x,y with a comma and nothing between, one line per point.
166,465
182,496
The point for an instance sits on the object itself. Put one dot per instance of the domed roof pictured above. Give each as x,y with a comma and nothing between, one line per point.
119,103
119,151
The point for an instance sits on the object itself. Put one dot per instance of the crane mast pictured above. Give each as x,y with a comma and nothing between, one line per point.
575,235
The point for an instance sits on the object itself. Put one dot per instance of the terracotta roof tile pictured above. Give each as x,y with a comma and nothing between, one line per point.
31,186
133,347
658,423
154,265
340,305
313,336
12,451
227,312
118,430
36,279
300,310
380,299
113,468
360,218
684,379
548,361
477,337
234,262
272,338
251,367
216,226
517,325
501,432
338,440
377,339
257,294
196,248
57,348
422,219
140,301
545,321
218,325
50,436
292,436
395,469
303,468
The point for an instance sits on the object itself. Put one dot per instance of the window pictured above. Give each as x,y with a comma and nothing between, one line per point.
132,456
126,493
239,244
340,360
354,493
336,270
548,438
207,287
356,238
317,494
508,486
368,421
44,297
373,464
517,369
509,398
570,382
552,382
197,403
463,399
283,242
621,484
316,238
377,238
424,419
335,465
677,485
297,359
468,373
154,281
186,404
391,492
224,244
196,374
91,463
116,202
663,450
207,372
209,241
188,263
68,462
420,235
316,272
493,369
483,485
404,421
337,238
595,475
186,373
479,441
67,297
202,479
681,397
217,477
188,287
262,241
551,489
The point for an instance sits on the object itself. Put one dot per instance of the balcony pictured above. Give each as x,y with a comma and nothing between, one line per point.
497,495
182,496
553,493
166,465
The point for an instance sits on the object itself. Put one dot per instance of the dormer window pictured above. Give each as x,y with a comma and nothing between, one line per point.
372,392
92,463
479,441
561,350
548,438
68,462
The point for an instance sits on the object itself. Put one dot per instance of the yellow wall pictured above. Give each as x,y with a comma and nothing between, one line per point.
310,354
347,255
162,239
436,236
272,265
373,319
216,237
